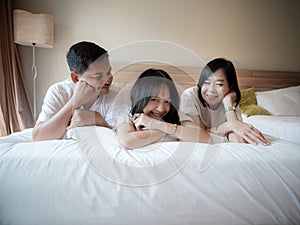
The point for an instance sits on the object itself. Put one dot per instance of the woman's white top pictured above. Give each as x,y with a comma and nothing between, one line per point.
191,105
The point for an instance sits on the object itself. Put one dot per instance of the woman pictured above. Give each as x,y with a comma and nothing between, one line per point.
213,104
153,114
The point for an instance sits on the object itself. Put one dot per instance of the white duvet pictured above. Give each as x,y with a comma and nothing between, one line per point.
283,127
90,180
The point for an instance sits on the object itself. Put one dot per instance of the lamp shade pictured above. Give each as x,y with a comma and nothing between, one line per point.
32,29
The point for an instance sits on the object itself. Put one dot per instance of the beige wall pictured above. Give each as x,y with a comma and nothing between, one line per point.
254,34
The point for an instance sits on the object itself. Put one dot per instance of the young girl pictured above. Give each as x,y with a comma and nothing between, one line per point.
213,104
153,114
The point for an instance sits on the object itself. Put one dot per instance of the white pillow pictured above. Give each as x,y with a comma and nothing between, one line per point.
280,102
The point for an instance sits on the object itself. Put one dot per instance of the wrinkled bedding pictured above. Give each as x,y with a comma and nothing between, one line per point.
89,179
283,127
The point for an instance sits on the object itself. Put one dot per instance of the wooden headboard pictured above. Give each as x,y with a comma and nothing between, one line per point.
188,76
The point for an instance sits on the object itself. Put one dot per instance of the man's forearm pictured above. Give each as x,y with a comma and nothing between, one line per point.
55,127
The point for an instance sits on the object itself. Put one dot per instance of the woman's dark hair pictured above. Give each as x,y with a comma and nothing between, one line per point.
82,54
229,71
147,86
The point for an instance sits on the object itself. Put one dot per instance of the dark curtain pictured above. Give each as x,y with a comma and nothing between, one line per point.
15,108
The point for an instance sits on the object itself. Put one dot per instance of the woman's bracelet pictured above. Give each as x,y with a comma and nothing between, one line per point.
229,108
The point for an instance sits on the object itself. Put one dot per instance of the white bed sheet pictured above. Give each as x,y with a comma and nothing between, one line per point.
283,127
79,182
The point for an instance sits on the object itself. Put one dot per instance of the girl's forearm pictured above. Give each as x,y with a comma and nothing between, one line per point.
140,139
186,133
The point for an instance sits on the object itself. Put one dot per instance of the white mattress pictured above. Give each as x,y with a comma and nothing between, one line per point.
81,182
283,127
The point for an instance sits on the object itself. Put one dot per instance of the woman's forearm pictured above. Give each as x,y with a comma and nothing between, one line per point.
185,132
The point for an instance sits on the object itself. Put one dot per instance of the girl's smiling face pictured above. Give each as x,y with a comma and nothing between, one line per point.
158,106
215,88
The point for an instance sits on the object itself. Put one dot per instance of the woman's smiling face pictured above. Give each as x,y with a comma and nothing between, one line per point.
215,88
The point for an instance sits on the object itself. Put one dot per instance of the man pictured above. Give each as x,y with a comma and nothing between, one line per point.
81,100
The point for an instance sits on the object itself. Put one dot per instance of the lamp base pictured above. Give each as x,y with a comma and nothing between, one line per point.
34,76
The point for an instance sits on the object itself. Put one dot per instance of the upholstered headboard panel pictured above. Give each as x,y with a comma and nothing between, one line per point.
188,76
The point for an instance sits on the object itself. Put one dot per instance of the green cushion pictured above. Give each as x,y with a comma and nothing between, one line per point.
251,110
249,105
247,97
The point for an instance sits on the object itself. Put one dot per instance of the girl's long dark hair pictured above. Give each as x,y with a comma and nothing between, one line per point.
147,86
229,71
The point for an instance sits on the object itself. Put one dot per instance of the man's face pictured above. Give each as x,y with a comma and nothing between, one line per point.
99,75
